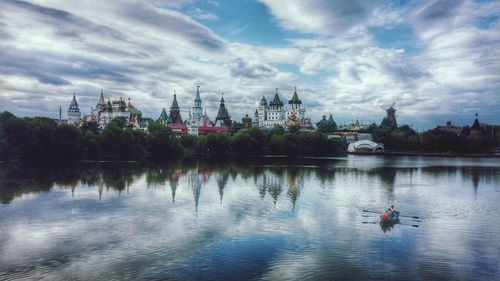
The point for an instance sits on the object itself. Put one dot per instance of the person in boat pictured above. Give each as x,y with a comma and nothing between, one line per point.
391,212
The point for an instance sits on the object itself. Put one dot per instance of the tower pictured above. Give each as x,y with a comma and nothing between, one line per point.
197,110
294,105
262,111
163,117
74,114
175,112
223,119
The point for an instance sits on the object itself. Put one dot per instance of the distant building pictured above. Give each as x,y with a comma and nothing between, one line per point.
247,121
277,114
104,112
450,128
74,114
365,146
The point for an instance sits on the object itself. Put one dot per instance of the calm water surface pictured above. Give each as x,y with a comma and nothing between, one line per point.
266,219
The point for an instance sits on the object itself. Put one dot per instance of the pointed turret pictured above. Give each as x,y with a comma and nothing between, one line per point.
276,100
476,125
74,113
175,113
295,98
223,118
163,116
263,101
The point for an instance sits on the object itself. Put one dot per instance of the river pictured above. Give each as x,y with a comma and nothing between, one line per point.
255,219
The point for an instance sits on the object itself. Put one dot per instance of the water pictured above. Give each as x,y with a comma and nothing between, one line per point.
265,219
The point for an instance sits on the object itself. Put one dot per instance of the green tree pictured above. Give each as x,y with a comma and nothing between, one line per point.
68,142
217,143
161,143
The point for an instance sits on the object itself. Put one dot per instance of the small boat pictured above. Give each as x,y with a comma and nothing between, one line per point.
389,217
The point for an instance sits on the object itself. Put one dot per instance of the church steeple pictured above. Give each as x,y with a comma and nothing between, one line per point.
223,118
175,113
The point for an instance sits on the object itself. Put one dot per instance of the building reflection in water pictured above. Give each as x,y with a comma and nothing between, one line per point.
18,179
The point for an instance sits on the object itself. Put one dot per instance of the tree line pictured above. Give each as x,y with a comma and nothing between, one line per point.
41,138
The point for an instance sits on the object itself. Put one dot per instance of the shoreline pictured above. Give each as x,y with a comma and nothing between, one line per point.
436,154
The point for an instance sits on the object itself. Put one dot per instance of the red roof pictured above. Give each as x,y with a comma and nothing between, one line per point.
204,130
178,128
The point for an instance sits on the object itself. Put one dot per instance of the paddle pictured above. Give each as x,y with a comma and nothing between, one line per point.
413,217
374,222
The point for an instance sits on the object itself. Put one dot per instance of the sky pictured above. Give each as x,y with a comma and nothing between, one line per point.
438,60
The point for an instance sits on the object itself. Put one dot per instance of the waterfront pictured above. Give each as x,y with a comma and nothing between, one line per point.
267,218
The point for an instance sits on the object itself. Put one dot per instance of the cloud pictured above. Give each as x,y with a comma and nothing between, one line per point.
318,17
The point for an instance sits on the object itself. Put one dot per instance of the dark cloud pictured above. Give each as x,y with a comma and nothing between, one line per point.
49,67
66,24
244,69
175,23
440,10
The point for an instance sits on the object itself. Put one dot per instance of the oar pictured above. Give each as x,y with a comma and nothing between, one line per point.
374,222
413,217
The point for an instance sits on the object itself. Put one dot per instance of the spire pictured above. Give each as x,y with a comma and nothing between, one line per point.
73,106
295,98
263,101
276,100
476,125
197,94
60,113
174,103
223,114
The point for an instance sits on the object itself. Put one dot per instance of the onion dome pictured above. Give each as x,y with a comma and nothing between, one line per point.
276,101
295,99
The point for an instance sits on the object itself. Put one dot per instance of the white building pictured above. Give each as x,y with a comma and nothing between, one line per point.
276,113
196,116
104,112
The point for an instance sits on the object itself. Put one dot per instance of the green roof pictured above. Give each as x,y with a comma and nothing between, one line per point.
276,100
295,99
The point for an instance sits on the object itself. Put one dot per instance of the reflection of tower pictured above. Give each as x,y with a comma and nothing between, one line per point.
293,190
195,183
174,183
475,180
99,189
221,183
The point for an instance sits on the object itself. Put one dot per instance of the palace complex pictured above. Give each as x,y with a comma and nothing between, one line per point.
276,113
104,112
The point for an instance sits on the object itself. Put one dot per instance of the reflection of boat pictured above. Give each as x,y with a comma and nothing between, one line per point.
389,217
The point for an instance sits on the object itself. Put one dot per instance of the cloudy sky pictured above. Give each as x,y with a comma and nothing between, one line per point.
438,60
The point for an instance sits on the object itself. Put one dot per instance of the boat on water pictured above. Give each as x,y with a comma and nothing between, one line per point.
389,217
